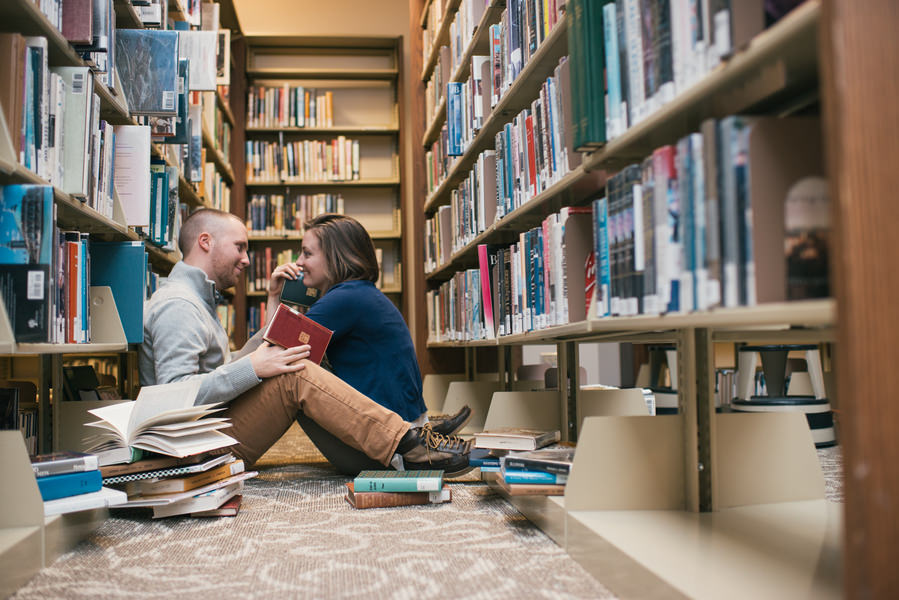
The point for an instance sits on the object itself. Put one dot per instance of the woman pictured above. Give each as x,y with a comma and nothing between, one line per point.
371,348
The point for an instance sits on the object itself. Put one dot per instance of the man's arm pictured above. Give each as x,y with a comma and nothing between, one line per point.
181,342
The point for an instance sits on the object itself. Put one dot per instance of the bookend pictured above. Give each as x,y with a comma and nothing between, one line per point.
434,387
22,517
610,403
533,410
475,394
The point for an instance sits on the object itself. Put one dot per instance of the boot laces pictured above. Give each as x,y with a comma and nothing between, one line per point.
443,443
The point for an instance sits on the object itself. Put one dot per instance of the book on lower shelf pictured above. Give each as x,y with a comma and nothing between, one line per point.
363,500
516,438
530,489
104,497
399,481
69,484
549,460
58,463
163,419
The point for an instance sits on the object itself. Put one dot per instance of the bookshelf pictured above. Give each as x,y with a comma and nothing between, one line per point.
348,92
776,73
28,540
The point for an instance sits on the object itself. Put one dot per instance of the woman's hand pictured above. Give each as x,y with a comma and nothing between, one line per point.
269,360
279,276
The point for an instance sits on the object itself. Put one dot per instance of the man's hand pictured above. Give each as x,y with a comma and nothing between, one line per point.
269,360
279,276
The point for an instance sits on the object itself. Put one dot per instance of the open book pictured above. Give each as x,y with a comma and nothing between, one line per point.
163,419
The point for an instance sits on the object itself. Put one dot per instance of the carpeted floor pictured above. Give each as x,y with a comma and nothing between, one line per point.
296,537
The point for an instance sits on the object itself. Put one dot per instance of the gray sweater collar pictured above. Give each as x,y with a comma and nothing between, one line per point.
195,278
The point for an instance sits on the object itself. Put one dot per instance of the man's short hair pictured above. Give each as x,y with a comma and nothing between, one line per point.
209,220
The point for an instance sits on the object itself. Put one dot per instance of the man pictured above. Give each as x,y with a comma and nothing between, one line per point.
265,386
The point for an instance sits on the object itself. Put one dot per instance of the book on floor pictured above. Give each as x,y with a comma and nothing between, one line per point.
163,419
533,477
229,508
289,328
388,499
204,501
161,466
173,485
550,460
102,498
516,438
69,484
399,481
163,499
58,463
530,489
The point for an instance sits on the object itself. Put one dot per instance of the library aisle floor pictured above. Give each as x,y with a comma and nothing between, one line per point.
296,537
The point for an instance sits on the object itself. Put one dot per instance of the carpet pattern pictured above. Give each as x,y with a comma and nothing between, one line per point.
296,537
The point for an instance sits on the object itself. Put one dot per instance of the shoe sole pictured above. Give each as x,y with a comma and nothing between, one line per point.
462,425
459,473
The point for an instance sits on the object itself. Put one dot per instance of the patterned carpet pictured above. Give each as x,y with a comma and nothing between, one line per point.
296,537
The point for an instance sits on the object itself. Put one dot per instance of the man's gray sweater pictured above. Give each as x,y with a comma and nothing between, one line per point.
183,339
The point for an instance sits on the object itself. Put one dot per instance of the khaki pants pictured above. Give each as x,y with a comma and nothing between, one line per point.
260,416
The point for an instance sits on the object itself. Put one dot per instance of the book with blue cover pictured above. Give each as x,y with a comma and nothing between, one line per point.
26,236
148,69
399,481
454,116
69,484
123,267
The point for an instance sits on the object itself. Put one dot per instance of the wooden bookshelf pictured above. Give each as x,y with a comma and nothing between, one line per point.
212,151
479,46
517,97
441,39
362,75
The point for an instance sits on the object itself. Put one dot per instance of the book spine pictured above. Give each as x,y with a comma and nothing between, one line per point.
398,484
534,477
363,500
69,484
65,465
513,463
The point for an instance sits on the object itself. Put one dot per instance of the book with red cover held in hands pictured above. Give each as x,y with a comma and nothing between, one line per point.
289,328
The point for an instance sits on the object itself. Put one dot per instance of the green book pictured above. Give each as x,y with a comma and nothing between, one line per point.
399,481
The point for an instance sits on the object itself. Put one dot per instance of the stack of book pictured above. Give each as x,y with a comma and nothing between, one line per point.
379,489
199,485
524,466
540,472
71,481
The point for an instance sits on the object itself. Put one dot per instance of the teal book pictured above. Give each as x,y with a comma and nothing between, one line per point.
533,477
399,481
123,267
69,484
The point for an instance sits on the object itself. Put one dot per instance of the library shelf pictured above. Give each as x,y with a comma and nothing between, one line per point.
297,237
765,321
380,182
22,518
441,39
424,13
780,63
221,165
435,125
223,106
337,130
297,74
126,16
519,96
563,192
478,46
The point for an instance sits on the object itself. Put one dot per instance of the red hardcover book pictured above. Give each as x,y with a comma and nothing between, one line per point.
78,21
289,328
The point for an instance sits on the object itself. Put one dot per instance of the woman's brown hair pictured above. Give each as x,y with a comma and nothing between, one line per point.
348,249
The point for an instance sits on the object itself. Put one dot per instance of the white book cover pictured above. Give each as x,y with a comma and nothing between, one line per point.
57,137
79,88
209,16
99,499
132,173
200,48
